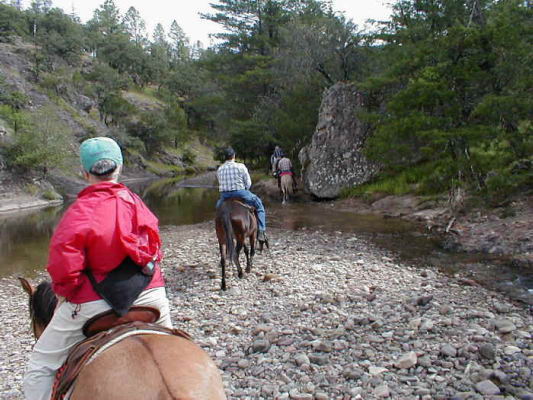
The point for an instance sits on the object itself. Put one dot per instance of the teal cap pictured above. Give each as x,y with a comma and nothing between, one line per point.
99,148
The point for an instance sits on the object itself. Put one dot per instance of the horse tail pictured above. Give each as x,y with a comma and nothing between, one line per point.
228,227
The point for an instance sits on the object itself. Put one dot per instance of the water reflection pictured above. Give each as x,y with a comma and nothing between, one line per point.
24,238
311,215
402,237
177,205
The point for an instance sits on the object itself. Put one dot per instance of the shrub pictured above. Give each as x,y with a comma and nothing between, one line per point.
42,145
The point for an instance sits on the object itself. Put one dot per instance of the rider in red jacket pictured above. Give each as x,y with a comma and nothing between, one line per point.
108,229
106,223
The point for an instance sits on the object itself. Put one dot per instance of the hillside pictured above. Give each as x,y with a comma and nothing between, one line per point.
36,107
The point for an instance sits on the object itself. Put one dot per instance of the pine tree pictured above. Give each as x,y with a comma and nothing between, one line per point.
179,43
135,26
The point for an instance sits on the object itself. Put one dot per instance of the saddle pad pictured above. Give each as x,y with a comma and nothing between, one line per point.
86,351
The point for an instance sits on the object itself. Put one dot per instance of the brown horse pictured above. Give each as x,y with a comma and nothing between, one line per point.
141,367
234,222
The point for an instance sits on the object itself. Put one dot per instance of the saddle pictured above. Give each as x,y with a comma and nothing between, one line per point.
109,319
102,331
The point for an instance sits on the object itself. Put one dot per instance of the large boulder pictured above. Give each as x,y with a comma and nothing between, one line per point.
334,158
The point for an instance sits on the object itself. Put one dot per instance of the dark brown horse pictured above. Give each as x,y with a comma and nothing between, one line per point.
141,367
234,222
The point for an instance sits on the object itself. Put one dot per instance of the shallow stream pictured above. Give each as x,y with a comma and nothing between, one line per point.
24,237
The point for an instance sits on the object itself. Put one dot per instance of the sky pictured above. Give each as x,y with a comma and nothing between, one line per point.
185,12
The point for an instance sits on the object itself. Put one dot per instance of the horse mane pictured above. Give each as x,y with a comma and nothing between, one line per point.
43,303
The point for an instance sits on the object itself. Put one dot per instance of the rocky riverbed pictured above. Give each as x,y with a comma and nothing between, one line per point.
326,316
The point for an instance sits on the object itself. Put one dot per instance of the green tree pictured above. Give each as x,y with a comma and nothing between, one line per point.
60,36
43,145
249,25
105,25
106,19
327,44
115,109
12,23
159,56
135,26
179,43
154,129
248,140
106,88
444,89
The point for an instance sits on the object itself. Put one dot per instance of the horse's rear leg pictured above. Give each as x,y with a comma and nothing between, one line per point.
252,253
223,265
248,259
237,262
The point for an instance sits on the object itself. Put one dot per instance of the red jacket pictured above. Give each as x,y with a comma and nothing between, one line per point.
106,223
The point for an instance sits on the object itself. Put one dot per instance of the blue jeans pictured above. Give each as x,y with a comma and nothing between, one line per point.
250,199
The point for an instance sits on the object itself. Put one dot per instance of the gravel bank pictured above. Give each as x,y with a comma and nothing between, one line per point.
326,316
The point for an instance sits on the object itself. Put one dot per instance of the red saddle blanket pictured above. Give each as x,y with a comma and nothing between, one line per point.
86,350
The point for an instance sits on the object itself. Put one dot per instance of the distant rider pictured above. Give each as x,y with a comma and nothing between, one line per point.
234,181
274,158
284,167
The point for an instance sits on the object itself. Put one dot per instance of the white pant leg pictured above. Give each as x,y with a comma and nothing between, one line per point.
157,298
64,331
51,350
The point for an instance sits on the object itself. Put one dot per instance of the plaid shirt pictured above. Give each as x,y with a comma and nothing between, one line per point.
284,164
233,176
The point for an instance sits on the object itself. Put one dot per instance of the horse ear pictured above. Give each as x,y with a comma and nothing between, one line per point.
28,288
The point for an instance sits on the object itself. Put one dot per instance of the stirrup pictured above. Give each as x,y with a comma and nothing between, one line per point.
263,240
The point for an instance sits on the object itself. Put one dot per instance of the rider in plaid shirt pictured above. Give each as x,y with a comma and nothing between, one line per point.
234,181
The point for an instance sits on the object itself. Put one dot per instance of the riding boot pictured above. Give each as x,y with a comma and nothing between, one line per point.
262,238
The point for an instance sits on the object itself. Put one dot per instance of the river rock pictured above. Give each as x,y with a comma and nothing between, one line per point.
376,370
427,325
334,158
382,391
448,350
407,360
295,395
260,346
415,323
424,361
503,325
488,351
269,390
499,376
423,300
318,358
510,350
301,359
487,388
